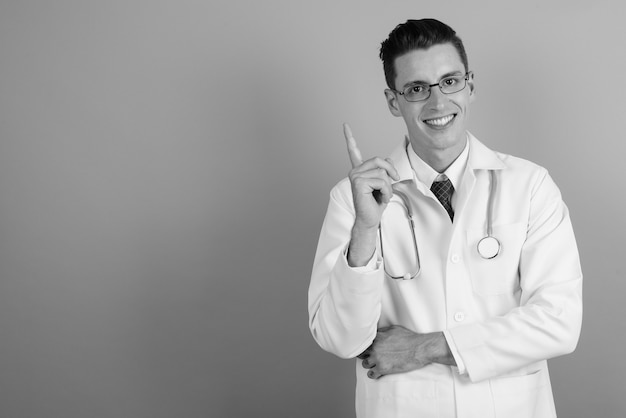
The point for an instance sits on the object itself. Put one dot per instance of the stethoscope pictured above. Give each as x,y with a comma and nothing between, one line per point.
488,247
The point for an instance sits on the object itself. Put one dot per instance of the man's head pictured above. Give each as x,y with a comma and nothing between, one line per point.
417,34
430,87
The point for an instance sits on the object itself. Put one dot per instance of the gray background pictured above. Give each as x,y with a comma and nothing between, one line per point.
165,169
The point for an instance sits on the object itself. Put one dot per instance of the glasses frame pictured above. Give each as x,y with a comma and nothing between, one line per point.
402,93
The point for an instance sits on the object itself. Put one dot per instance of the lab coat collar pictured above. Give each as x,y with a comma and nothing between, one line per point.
401,161
480,158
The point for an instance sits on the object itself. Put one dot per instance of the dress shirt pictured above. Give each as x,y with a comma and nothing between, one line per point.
428,175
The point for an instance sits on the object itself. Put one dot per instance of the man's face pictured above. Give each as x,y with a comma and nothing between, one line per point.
438,123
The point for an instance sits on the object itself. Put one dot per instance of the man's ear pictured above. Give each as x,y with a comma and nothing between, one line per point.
471,85
392,102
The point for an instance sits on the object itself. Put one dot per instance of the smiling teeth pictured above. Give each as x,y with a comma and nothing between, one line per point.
439,121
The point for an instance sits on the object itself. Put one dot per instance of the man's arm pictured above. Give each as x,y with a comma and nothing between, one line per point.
347,280
370,182
547,323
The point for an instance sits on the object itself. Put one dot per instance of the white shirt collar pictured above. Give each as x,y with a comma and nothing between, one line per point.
427,175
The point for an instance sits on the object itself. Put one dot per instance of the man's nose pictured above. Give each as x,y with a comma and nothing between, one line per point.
437,98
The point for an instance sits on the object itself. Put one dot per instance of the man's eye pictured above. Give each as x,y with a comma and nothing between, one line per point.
450,81
416,89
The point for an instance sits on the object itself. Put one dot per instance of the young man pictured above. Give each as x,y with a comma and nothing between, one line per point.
461,323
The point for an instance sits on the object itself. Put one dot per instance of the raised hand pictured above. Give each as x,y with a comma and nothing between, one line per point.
371,191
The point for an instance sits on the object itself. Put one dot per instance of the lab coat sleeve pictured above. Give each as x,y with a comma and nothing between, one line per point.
547,322
460,366
344,302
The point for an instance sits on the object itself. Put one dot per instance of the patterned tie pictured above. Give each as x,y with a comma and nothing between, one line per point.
443,190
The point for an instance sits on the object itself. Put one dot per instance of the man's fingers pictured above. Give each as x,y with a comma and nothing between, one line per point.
356,159
381,188
373,173
373,374
353,151
375,165
367,365
365,353
393,172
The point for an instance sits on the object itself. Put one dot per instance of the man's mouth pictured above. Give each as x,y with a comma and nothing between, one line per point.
439,122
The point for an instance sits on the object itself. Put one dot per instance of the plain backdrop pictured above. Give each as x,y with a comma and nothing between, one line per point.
165,169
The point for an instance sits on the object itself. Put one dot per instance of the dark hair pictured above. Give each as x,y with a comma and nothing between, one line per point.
416,34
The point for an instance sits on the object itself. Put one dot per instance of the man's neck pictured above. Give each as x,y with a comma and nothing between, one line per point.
439,159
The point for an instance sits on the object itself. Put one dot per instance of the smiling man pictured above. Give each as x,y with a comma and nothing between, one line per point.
436,126
455,311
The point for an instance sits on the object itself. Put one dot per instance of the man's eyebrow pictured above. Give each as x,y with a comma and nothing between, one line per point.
426,83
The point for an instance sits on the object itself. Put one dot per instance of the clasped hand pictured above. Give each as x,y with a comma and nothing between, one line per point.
398,350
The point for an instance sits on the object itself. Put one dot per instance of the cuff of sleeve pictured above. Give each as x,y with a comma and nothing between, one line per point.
365,280
372,265
455,353
357,295
469,342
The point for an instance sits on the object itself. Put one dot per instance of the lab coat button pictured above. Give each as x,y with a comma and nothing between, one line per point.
459,317
455,258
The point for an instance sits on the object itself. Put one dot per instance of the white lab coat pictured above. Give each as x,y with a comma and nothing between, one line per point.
503,318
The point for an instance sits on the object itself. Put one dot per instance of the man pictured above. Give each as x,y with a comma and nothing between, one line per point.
460,327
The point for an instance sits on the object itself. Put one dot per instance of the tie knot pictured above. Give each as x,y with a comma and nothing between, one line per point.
443,188
443,192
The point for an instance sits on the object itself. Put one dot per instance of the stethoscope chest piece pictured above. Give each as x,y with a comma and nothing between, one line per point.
488,247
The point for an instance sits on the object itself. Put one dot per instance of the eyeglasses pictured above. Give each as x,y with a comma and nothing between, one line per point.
418,92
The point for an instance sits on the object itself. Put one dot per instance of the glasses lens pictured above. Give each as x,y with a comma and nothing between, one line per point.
452,84
416,92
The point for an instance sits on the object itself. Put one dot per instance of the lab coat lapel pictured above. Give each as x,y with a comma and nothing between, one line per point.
467,185
480,158
403,166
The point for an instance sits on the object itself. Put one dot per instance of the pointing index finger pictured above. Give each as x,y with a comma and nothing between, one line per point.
353,150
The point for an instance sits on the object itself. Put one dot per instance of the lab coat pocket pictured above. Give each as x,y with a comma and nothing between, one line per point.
498,275
396,396
522,396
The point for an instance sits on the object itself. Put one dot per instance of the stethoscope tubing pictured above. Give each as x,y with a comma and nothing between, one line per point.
488,247
409,212
493,185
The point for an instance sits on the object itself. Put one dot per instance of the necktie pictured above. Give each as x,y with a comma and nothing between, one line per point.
443,191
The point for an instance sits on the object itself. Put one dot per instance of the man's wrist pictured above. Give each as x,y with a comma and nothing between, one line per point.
435,349
362,245
441,351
